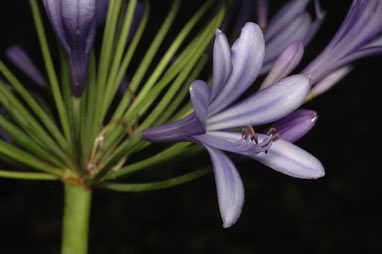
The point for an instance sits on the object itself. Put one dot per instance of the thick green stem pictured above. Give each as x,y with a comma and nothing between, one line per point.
76,220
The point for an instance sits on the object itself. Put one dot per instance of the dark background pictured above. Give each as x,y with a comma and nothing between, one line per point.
338,213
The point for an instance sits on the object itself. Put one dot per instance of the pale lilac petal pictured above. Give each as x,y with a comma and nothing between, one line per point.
284,64
291,160
269,104
295,125
22,61
284,17
200,98
229,187
297,30
331,79
222,63
180,130
247,57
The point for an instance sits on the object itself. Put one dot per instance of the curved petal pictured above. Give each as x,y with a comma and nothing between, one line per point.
22,61
291,160
295,125
222,65
331,79
229,187
284,17
284,64
53,10
267,105
173,132
200,98
247,58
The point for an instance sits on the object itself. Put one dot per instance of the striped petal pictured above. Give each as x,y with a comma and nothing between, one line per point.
180,130
267,105
291,160
229,187
222,63
247,58
284,64
200,98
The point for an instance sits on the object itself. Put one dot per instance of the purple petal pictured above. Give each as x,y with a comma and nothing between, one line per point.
285,64
297,30
247,57
284,17
267,105
222,63
180,130
200,98
296,125
316,24
331,79
22,61
229,187
291,160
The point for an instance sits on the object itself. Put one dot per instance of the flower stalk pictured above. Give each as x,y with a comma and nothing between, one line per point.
76,219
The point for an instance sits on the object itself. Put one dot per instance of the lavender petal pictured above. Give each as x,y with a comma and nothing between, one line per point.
222,63
180,130
247,57
291,160
229,187
284,64
200,98
265,106
22,61
295,125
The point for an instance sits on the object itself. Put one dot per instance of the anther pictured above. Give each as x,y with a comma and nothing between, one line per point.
271,131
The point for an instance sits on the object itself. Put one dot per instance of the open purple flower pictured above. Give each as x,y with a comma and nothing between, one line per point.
75,23
360,35
234,70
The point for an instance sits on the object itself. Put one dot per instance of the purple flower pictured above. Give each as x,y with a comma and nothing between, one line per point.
234,70
22,61
75,23
360,35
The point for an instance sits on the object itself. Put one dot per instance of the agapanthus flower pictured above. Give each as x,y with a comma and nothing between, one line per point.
75,24
214,119
360,35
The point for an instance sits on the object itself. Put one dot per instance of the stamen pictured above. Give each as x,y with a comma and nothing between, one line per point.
244,133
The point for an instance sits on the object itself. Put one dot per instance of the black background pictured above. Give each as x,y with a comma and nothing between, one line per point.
339,212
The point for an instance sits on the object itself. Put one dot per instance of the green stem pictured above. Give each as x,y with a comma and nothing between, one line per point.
27,175
76,220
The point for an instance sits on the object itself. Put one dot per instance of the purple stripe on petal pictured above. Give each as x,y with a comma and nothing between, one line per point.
22,61
222,63
247,57
284,64
265,106
229,187
295,125
180,130
291,160
200,98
